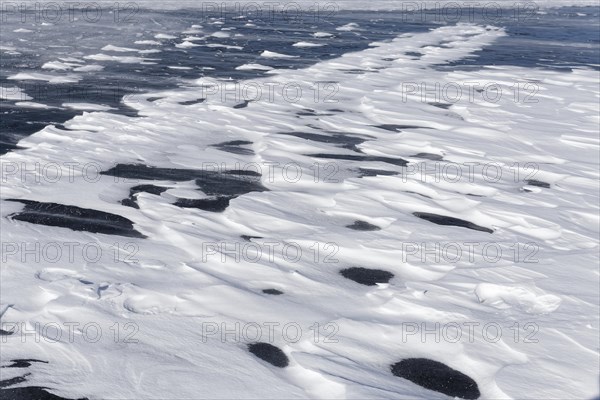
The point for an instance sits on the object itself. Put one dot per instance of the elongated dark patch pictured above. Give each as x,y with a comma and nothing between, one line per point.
353,157
363,226
273,292
213,183
434,375
338,139
234,147
145,172
249,238
534,182
28,393
131,201
243,104
191,102
217,204
367,172
444,106
23,363
451,221
269,353
366,276
221,187
397,128
75,218
429,156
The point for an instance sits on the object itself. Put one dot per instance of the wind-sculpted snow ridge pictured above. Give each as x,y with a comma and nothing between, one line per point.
168,300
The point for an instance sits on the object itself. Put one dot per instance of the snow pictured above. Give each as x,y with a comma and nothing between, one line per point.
31,104
89,68
273,54
322,34
221,34
172,288
164,36
118,49
253,66
119,59
59,66
148,42
308,44
169,288
87,106
186,45
36,76
13,93
352,26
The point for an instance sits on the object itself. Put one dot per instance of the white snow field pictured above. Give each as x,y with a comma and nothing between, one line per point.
170,305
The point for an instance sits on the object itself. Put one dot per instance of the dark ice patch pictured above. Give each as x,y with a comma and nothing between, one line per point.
434,375
365,276
307,112
414,54
444,106
145,172
429,156
273,292
213,183
243,104
533,182
363,226
230,184
5,333
23,363
366,172
353,157
217,204
337,139
451,221
28,393
152,189
75,218
240,172
356,71
221,187
249,238
234,147
191,102
13,381
397,128
269,353
6,147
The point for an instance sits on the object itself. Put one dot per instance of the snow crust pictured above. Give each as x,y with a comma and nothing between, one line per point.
169,290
